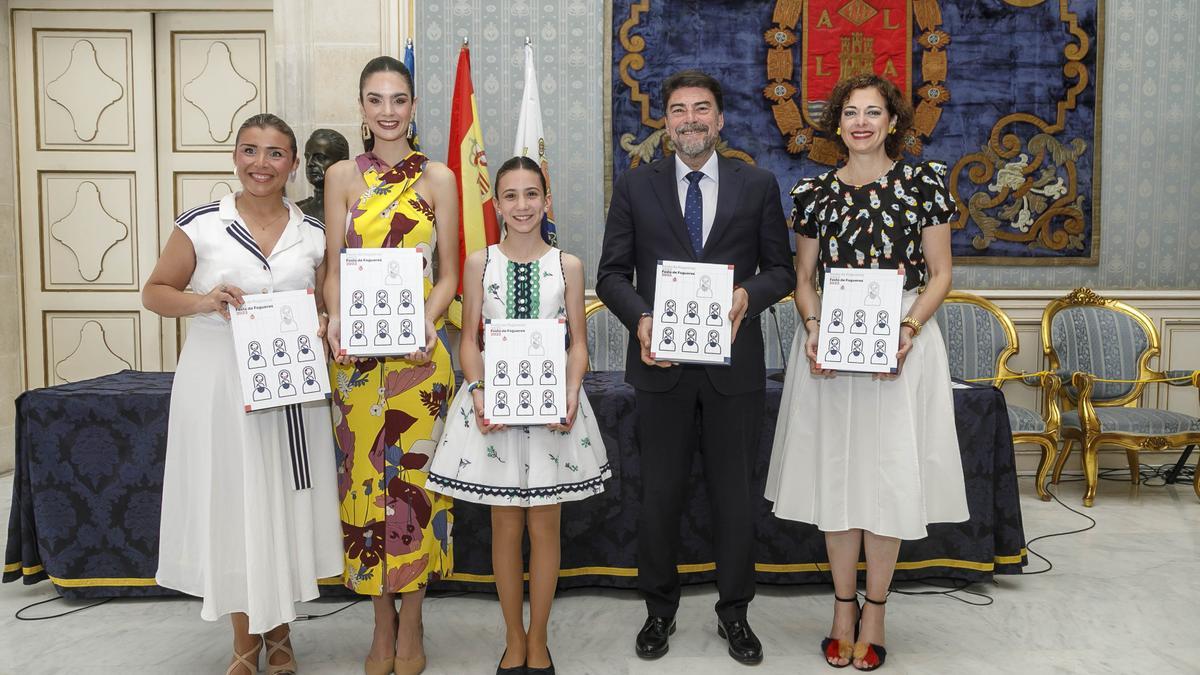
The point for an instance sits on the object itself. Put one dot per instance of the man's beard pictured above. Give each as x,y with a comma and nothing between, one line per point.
695,146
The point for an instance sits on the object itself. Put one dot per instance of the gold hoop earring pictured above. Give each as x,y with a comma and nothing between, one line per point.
839,131
891,131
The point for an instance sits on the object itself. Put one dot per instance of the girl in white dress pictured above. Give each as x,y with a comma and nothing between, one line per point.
240,527
869,459
524,473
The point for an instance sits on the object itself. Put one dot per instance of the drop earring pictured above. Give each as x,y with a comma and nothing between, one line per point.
366,132
410,130
839,131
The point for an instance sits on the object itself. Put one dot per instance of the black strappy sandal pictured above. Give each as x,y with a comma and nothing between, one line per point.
872,654
833,648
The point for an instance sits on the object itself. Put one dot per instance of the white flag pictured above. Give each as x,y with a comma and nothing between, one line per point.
531,139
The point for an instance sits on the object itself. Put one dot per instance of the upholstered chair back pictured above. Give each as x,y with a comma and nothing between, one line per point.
978,343
778,330
1105,341
606,339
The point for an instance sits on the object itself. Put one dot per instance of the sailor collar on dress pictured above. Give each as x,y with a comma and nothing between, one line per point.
291,236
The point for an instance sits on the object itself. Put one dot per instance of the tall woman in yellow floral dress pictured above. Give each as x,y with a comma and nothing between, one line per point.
388,413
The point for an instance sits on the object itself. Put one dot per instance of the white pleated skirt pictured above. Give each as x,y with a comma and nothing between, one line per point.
521,465
234,530
852,452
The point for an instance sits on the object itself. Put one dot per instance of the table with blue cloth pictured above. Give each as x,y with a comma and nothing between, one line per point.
88,487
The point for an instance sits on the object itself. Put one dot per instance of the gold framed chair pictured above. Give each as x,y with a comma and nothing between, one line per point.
605,336
980,339
592,307
1104,347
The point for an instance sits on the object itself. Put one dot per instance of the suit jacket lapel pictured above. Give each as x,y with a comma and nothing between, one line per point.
729,189
668,199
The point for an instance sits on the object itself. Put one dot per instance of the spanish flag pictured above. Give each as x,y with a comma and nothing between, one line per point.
477,216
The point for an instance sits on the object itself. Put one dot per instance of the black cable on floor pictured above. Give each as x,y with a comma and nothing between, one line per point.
54,616
957,586
1029,544
314,617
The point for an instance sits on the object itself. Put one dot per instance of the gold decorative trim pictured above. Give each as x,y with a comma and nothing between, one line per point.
1090,434
627,572
640,151
1022,177
794,121
1086,296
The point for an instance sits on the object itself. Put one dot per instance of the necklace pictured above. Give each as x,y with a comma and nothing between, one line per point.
265,226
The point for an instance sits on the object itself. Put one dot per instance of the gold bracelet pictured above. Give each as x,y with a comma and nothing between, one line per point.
913,324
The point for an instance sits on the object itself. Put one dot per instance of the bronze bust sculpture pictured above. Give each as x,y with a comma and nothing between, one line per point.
324,148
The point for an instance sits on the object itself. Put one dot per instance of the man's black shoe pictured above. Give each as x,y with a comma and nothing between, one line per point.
652,640
744,646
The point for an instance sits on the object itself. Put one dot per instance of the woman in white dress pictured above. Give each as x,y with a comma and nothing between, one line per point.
523,472
869,459
242,528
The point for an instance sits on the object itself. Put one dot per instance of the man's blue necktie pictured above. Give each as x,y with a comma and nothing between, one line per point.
693,211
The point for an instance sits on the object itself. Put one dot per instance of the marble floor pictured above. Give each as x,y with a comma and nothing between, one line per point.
1122,598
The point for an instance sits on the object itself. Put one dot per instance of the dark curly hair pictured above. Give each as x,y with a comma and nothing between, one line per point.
898,106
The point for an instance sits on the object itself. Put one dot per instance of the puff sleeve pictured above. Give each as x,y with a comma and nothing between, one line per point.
804,206
936,202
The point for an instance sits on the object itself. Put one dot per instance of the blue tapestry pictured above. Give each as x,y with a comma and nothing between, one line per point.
1005,93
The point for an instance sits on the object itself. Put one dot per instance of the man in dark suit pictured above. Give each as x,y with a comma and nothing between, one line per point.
696,206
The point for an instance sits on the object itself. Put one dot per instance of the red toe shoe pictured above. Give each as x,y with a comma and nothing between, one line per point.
834,649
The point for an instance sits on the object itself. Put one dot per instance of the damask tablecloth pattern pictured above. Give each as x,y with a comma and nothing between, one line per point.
85,509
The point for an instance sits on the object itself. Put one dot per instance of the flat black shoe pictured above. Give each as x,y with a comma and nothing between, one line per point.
515,670
548,670
744,646
653,638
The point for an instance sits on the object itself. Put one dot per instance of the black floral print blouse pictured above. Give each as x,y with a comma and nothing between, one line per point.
876,225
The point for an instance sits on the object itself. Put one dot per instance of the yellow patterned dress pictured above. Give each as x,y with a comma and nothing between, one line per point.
388,414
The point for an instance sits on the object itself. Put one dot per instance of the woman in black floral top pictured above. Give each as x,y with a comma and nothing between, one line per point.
869,459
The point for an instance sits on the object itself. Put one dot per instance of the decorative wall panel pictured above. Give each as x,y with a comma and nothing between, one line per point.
83,345
83,81
195,188
219,79
87,220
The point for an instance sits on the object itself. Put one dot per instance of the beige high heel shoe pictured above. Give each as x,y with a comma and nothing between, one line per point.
285,646
415,665
385,665
378,666
247,660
